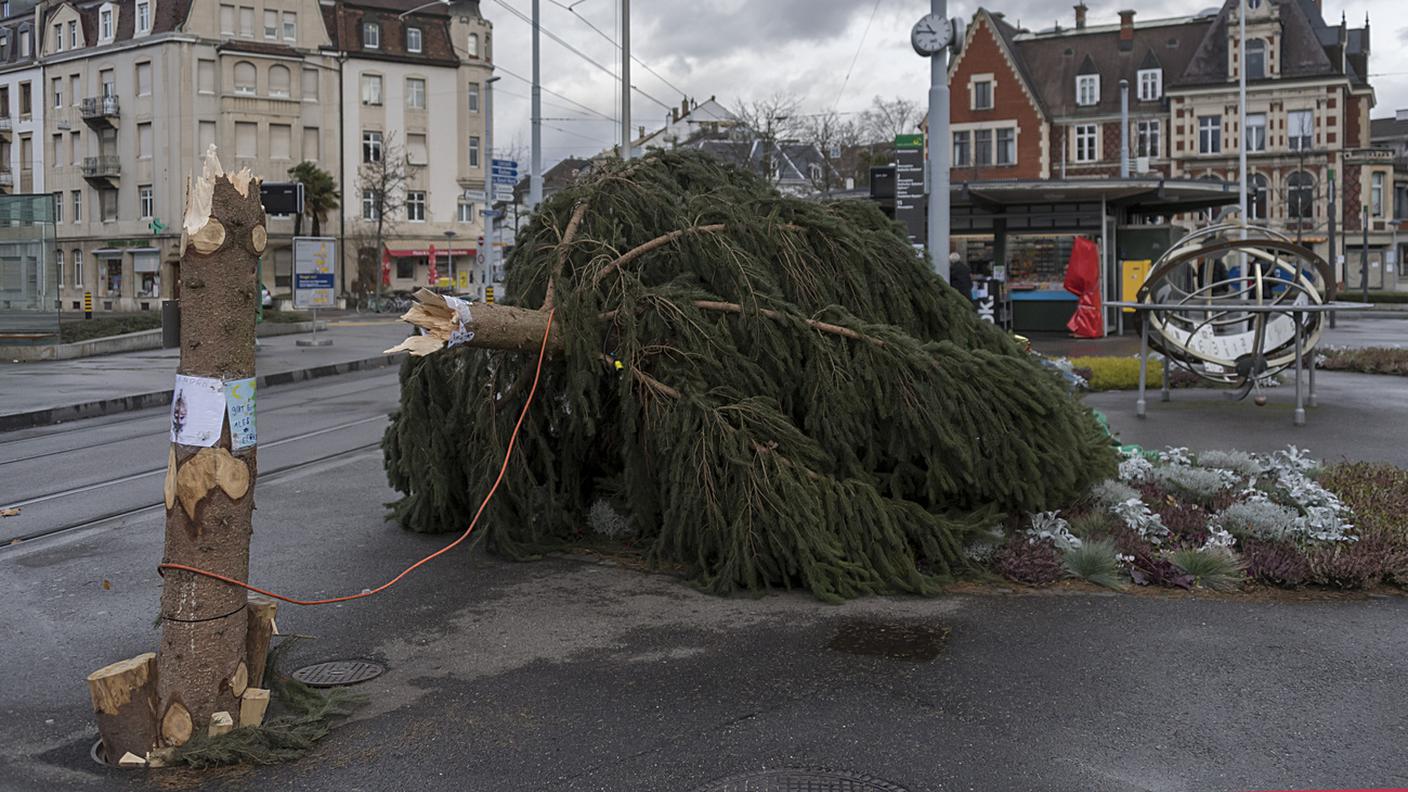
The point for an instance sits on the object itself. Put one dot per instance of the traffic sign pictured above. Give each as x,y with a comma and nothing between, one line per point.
490,213
474,196
503,195
506,180
505,163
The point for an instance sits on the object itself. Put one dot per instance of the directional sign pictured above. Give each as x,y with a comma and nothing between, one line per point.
910,200
474,196
509,181
502,194
490,213
498,163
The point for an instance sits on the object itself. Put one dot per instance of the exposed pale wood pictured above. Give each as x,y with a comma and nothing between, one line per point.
231,474
209,238
160,757
194,479
200,192
253,704
221,723
259,238
261,612
124,698
562,249
130,760
169,485
495,326
176,726
239,682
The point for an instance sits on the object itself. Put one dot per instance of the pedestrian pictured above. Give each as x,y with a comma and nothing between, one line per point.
959,277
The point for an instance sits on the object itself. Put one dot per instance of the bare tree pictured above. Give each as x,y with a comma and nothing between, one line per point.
885,119
381,183
834,138
769,119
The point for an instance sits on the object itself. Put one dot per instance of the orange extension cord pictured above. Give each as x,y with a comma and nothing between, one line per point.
508,454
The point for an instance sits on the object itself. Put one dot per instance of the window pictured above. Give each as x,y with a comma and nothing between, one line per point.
472,47
205,76
1209,134
75,140
417,153
415,206
290,26
1253,4
144,141
144,78
1300,129
371,89
1148,139
1376,194
227,20
246,139
246,22
245,76
982,147
962,149
310,85
1256,59
369,205
465,212
24,43
279,78
108,82
271,24
59,256
59,213
405,268
205,136
474,97
1300,196
145,202
56,147
1151,84
371,146
26,99
1088,89
280,141
75,87
1086,135
144,16
1007,146
982,95
311,148
72,35
371,35
107,205
415,93
413,39
1256,132
1256,197
77,260
473,151
57,86
59,44
105,24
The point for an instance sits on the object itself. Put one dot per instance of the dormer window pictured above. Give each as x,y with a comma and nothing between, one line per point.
4,8
24,43
1087,90
1256,59
144,16
1151,84
371,35
413,39
58,37
106,23
472,48
72,34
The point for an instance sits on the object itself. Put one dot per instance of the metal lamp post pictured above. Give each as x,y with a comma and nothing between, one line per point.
450,257
932,37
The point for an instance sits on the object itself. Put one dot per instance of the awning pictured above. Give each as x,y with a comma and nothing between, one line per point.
145,261
425,251
109,253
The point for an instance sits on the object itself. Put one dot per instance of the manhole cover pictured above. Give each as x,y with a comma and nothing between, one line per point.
795,780
337,673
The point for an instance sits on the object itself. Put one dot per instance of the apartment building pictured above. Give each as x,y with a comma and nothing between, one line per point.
415,85
21,105
1047,105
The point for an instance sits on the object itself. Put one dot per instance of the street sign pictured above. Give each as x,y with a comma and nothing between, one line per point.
915,141
490,213
505,163
503,194
910,206
281,198
474,196
507,181
314,279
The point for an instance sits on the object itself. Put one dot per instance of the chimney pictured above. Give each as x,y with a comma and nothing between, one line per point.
1126,30
642,131
684,107
1080,15
674,114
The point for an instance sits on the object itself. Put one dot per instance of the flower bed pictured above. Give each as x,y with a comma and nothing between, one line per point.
1220,520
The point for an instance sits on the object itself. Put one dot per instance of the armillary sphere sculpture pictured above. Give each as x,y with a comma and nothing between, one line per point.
1235,308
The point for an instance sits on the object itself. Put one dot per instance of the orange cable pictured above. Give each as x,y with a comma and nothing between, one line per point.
508,454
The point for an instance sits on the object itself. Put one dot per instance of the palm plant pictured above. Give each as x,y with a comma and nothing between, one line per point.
320,195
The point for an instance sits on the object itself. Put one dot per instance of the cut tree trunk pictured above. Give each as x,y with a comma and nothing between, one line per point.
209,505
261,631
125,702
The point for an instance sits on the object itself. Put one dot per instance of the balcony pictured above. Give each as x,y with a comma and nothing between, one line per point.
7,125
99,111
7,179
102,171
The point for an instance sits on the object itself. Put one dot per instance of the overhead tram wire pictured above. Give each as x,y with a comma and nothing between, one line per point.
617,45
577,52
547,90
861,45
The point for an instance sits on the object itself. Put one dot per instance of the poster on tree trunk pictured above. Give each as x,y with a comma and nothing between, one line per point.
197,410
239,405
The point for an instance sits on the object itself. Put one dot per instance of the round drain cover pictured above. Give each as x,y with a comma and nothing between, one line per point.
338,672
801,780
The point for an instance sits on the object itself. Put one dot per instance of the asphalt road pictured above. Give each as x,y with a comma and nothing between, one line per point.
568,674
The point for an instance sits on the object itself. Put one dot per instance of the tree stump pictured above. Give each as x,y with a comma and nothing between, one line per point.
261,612
125,701
210,489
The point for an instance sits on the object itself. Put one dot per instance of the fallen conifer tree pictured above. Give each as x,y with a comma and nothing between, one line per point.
776,392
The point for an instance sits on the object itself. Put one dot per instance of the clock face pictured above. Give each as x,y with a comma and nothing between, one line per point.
930,35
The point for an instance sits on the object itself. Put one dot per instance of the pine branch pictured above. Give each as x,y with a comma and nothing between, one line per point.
665,239
562,248
825,327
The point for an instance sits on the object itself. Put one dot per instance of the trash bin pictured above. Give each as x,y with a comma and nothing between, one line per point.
170,324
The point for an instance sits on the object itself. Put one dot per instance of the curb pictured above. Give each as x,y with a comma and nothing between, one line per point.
142,401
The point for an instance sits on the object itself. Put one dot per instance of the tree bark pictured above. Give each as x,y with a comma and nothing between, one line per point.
125,703
210,490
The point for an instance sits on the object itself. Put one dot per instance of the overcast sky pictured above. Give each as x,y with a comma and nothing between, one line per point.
745,49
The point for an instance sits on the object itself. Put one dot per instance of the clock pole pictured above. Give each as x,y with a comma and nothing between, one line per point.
939,151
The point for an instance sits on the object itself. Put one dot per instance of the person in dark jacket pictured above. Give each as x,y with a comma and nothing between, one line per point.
959,277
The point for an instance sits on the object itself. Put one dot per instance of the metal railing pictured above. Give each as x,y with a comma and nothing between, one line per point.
99,106
105,166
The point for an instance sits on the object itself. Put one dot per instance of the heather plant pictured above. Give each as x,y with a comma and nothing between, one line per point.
1035,562
1096,562
1276,562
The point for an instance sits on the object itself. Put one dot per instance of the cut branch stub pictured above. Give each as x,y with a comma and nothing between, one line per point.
176,725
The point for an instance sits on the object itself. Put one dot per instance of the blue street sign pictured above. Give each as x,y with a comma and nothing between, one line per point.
490,213
505,174
508,180
498,163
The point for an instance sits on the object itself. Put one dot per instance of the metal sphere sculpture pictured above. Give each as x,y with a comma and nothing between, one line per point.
1210,278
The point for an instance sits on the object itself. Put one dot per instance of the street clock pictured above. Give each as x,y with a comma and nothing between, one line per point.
931,34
